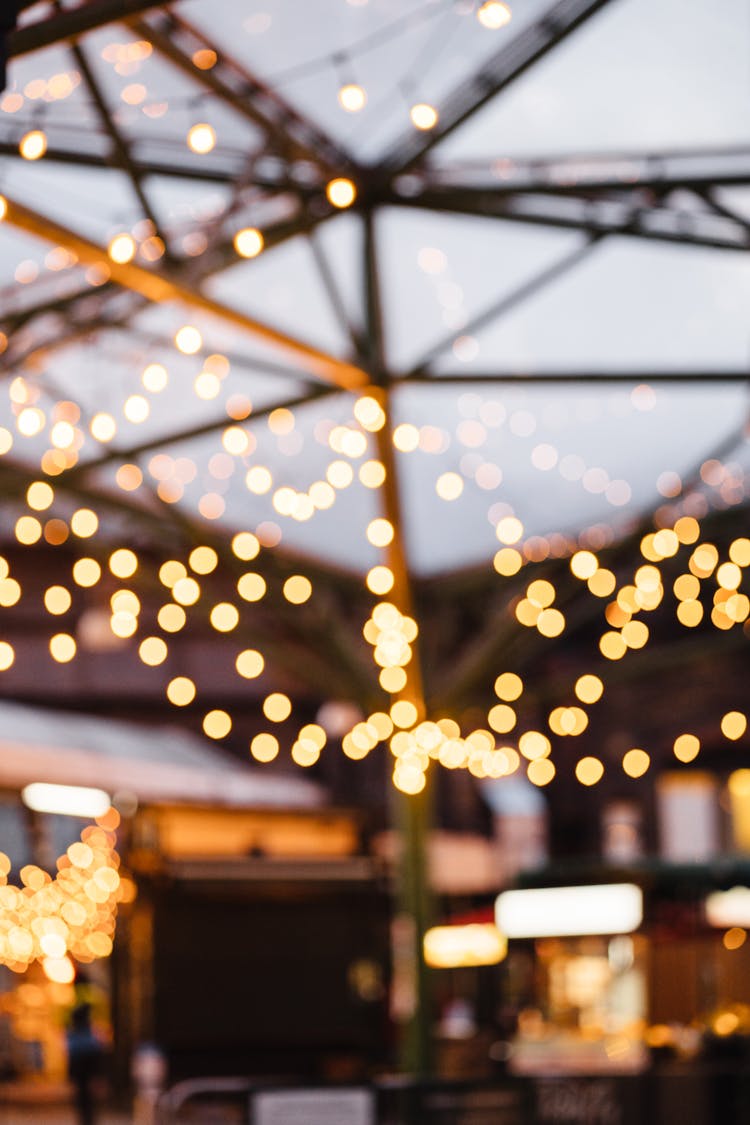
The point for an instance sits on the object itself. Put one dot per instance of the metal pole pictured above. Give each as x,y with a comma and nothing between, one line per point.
411,813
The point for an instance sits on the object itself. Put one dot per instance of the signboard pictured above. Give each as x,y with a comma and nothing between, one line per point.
313,1107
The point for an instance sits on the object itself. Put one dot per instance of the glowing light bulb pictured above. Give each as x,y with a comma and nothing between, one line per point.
341,192
493,14
248,242
201,138
423,116
33,145
352,97
122,249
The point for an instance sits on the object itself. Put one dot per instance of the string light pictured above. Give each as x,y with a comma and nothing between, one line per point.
33,145
341,192
493,14
423,116
201,138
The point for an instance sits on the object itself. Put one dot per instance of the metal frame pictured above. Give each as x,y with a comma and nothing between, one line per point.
633,195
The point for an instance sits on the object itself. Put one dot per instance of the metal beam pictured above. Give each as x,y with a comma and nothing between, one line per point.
584,173
120,147
594,217
74,22
158,287
576,378
513,59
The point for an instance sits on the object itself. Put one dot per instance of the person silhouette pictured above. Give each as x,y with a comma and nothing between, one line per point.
84,1061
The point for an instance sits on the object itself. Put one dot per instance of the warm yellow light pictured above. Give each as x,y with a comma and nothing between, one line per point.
453,947
602,583
258,479
612,645
245,545
341,192
28,530
493,14
635,634
372,474
533,744
733,725
352,97
84,523
181,691
703,560
30,421
729,576
122,249
171,571
423,116
7,656
203,560
507,561
3,207
739,552
249,664
297,589
136,408
734,938
224,617
509,530
153,651
62,648
636,762
59,970
687,529
508,686
33,145
584,564
155,377
57,600
201,138
404,713
589,688
186,591
690,613
449,486
686,747
380,532
217,724
501,718
550,623
188,340
541,771
129,477
380,580
409,779
10,592
589,771
392,680
304,753
251,587
248,242
123,563
277,707
103,427
264,747
171,618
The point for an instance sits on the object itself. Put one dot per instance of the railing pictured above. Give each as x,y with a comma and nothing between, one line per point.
702,1094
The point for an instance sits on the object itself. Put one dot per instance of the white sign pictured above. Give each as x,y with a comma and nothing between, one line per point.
313,1107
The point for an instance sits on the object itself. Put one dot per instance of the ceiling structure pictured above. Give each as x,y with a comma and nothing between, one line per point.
490,372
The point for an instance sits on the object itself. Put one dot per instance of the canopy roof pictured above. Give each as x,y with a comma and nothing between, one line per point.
532,309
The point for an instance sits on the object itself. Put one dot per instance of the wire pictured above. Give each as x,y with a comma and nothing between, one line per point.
359,47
